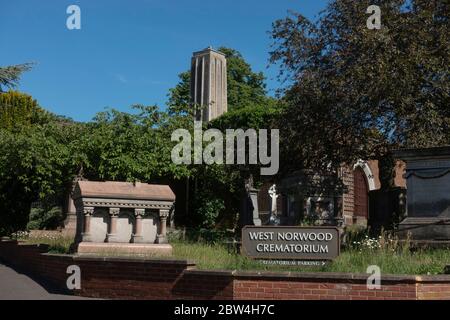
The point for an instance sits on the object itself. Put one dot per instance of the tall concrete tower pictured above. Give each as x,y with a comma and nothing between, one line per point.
209,84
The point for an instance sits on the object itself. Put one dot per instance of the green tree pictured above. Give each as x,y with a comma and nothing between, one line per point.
36,163
19,109
245,87
359,93
129,147
253,116
36,160
10,75
179,96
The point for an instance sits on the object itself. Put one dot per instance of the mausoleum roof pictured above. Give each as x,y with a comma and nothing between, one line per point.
123,190
434,152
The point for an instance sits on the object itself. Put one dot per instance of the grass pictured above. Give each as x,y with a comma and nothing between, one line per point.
352,260
392,259
60,245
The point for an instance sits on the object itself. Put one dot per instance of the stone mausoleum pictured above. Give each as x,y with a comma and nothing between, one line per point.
428,184
122,217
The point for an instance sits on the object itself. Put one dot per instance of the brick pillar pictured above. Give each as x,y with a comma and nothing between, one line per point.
348,197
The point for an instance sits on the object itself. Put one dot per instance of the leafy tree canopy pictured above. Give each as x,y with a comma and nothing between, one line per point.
10,75
130,147
36,162
19,109
358,93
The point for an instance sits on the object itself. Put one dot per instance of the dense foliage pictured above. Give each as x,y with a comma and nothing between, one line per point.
359,93
128,147
34,153
17,108
45,218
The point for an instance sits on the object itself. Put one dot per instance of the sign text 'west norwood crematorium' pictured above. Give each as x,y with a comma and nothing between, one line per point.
290,243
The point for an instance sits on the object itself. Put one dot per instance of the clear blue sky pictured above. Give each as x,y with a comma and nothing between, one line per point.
131,51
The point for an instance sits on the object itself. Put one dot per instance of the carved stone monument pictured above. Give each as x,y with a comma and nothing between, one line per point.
122,218
70,223
427,194
250,211
209,84
274,219
273,199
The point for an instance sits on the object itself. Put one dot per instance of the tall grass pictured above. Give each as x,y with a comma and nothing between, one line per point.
60,244
386,252
431,261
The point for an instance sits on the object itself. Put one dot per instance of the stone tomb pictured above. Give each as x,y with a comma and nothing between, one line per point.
427,194
122,218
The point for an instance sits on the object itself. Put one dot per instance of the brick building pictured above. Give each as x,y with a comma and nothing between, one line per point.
348,207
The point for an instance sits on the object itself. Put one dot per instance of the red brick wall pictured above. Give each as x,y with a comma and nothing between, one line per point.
399,180
173,279
100,277
347,197
399,170
323,290
196,284
347,178
433,291
127,279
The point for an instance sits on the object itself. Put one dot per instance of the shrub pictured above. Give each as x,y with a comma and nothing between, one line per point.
45,219
354,234
20,235
207,208
200,235
386,242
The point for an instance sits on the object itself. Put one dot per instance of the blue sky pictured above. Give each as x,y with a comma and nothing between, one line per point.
132,51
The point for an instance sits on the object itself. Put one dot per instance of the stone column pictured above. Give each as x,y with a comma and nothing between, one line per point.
161,237
255,219
112,228
70,223
137,235
87,213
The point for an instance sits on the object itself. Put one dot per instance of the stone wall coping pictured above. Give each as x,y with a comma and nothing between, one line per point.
58,255
120,259
319,276
41,246
134,260
25,244
8,240
217,273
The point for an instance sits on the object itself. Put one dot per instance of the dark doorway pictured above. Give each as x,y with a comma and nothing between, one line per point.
361,194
